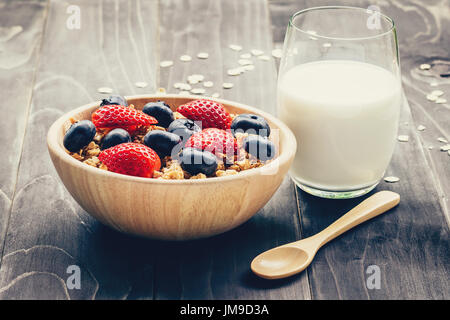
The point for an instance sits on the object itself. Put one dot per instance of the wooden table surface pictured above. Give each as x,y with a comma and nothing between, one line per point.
47,69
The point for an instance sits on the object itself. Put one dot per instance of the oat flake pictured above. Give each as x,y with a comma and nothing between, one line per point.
235,47
245,56
437,93
277,53
425,66
198,91
185,58
256,52
391,179
234,72
208,84
244,62
264,58
403,138
248,67
215,95
104,90
141,84
421,128
441,139
203,55
166,63
431,97
227,85
445,147
441,100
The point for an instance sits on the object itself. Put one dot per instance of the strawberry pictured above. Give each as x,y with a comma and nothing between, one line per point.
116,116
133,159
216,141
212,114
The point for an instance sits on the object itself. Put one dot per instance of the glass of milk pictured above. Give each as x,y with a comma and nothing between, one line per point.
339,90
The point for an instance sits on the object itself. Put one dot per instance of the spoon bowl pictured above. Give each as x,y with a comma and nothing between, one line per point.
281,262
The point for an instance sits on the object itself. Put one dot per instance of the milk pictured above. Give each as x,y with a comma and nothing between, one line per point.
344,115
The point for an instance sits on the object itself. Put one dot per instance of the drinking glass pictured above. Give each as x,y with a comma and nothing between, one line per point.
339,90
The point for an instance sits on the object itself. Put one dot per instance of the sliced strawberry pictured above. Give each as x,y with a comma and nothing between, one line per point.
212,114
216,141
132,159
115,116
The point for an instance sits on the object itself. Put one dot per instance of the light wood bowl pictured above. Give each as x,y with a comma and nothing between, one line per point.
170,209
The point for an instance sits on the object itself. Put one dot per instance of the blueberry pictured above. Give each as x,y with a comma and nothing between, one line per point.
114,99
79,135
260,147
197,161
164,143
250,123
184,128
115,137
160,111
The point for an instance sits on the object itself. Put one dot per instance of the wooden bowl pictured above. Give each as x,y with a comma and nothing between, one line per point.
170,209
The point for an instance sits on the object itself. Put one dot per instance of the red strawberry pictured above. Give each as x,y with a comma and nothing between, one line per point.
212,114
115,116
133,159
216,141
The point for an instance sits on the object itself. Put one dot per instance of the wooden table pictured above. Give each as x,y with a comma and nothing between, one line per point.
47,68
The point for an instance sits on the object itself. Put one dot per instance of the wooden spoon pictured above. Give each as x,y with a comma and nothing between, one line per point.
294,257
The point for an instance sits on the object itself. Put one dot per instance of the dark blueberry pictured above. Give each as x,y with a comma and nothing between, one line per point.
250,123
114,99
260,147
160,111
115,137
197,161
184,128
79,135
164,143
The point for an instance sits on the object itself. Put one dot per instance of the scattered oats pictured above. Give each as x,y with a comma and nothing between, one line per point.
425,66
184,92
430,147
195,78
437,93
185,87
264,58
215,95
227,85
245,56
441,139
434,84
248,67
161,90
441,100
326,45
277,53
235,47
178,85
198,91
421,128
391,179
403,138
104,90
208,84
141,84
244,62
234,72
431,97
256,52
166,63
203,55
445,147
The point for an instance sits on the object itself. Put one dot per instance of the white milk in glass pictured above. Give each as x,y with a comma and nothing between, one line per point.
344,115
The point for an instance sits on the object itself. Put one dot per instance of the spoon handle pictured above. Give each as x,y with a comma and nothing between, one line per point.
373,206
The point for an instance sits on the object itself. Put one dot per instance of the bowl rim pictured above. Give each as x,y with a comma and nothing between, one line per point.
285,156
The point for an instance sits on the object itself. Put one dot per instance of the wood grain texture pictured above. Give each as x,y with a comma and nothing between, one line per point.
411,243
218,268
21,29
48,231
